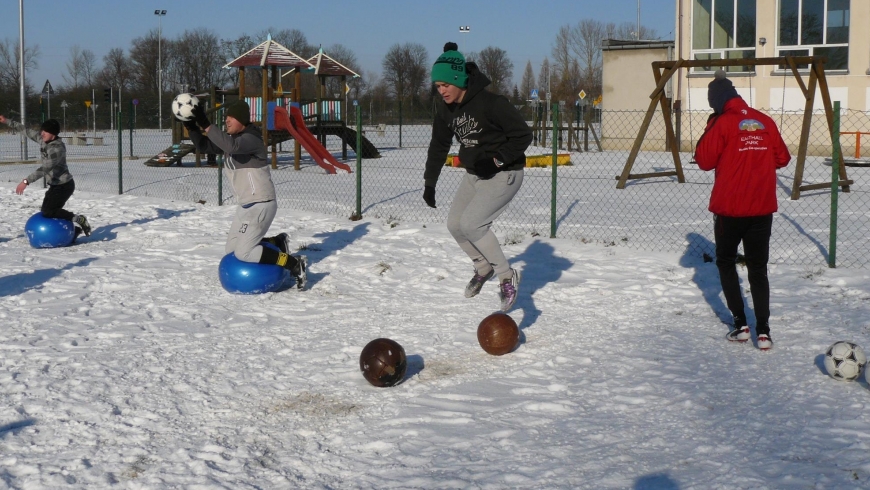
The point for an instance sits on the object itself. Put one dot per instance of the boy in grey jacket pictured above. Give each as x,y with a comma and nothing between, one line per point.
54,168
247,169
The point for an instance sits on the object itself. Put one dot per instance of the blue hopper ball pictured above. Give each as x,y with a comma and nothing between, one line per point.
45,232
249,278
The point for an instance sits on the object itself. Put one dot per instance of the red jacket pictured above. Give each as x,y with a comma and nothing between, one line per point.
745,148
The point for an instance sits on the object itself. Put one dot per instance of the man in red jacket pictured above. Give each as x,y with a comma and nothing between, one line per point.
745,148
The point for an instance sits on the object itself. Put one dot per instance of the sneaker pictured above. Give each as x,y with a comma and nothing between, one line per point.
282,241
740,334
300,271
764,342
508,290
80,220
476,283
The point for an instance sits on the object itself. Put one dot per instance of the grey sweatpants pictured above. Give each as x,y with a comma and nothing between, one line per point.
476,204
250,225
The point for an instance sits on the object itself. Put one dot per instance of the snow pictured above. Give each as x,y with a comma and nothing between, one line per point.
124,364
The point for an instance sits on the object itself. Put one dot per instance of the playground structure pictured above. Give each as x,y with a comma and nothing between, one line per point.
324,114
664,70
577,130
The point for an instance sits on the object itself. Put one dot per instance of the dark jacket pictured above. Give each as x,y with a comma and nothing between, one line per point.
486,125
246,166
745,149
52,162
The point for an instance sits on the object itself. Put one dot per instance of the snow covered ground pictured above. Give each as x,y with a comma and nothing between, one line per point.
124,364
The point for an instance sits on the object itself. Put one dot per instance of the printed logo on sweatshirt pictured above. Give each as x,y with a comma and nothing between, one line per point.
466,129
751,125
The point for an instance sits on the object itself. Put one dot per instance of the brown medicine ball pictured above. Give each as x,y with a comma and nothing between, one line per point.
383,362
498,334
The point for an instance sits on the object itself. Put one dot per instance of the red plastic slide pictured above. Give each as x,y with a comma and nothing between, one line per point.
296,127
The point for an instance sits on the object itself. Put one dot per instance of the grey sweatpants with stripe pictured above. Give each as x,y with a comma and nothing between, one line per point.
250,225
476,204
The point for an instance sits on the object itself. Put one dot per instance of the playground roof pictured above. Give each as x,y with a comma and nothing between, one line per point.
269,53
324,65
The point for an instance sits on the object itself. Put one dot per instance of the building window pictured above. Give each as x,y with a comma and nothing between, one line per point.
723,29
815,28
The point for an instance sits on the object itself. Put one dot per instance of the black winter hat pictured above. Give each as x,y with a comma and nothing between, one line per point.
240,111
720,91
51,126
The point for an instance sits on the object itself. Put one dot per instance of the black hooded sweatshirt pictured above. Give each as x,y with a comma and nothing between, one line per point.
486,125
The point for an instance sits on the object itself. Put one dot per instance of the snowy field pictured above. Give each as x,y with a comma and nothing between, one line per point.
124,364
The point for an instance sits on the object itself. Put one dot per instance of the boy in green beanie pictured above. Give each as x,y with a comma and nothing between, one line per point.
493,137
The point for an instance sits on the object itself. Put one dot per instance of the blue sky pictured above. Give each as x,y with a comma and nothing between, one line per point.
525,29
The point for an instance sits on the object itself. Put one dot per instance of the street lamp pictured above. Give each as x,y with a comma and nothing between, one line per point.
464,30
159,14
63,106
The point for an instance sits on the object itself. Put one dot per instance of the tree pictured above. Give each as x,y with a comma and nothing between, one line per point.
10,73
116,71
144,60
196,61
75,76
496,65
586,39
528,82
544,79
346,57
405,70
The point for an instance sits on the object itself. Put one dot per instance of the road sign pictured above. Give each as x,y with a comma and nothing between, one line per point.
135,101
87,103
46,89
582,94
534,94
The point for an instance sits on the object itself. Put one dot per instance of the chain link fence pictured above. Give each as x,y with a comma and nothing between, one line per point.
577,200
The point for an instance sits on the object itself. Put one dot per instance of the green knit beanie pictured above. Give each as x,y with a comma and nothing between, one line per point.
240,111
450,67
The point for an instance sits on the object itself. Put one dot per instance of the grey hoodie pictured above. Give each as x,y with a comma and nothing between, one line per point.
247,164
53,157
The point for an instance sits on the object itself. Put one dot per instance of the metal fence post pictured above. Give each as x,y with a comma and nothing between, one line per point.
554,116
835,188
358,162
120,155
220,160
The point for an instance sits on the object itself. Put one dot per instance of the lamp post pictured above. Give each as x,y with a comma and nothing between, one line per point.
465,30
638,20
64,105
21,67
159,14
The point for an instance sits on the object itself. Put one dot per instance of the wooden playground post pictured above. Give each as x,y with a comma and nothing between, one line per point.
817,74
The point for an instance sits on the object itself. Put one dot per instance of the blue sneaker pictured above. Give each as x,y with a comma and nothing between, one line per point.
508,290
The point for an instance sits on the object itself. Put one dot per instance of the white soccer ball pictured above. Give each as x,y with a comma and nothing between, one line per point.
182,106
845,361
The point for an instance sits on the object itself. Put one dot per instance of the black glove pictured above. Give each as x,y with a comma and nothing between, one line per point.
200,117
429,195
190,125
487,167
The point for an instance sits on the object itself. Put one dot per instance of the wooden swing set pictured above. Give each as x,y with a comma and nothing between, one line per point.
663,71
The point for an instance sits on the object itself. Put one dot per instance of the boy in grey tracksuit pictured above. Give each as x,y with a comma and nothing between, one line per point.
53,167
493,137
247,169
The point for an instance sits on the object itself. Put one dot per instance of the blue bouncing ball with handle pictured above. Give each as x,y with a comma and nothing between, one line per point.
240,277
45,232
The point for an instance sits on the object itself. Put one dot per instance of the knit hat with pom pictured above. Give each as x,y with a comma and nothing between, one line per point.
450,67
720,91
